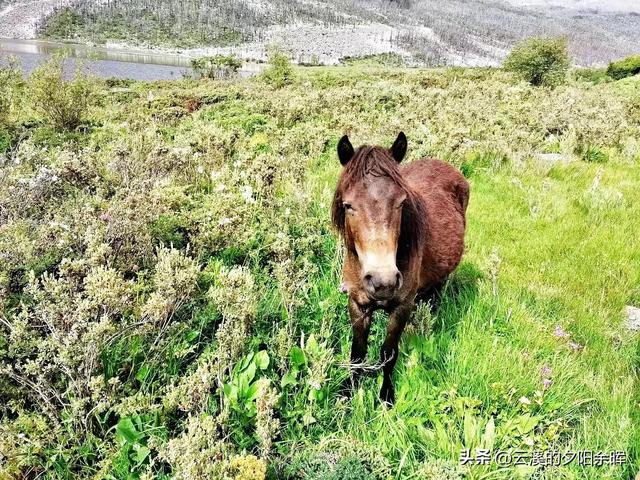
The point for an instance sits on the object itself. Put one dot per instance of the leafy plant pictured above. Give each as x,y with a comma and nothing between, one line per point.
62,102
132,435
11,83
627,67
280,71
540,61
241,391
217,66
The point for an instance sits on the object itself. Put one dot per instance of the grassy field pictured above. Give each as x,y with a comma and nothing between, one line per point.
170,283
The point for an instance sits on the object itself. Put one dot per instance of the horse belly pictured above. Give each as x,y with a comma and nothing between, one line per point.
446,194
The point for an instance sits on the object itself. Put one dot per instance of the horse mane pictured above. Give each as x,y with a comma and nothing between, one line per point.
377,162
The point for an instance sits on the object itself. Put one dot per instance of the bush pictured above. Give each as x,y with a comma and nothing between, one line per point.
217,66
593,75
62,102
540,61
280,71
10,83
627,67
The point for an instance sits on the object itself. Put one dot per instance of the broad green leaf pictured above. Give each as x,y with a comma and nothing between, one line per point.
142,453
289,378
489,436
262,359
143,373
126,431
297,357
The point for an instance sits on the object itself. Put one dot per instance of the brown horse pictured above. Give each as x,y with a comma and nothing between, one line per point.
403,231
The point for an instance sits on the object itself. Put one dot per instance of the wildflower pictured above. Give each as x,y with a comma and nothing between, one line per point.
576,347
200,169
546,383
247,194
343,288
524,400
545,371
560,333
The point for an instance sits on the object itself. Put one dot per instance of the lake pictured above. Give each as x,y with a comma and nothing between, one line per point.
106,62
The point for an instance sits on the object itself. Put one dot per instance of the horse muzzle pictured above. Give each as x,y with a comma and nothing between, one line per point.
382,284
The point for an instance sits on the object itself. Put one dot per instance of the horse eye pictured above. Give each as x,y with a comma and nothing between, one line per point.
347,206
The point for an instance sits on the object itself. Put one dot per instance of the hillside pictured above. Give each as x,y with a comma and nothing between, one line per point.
450,32
169,282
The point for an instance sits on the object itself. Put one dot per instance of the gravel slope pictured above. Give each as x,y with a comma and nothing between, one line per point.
19,19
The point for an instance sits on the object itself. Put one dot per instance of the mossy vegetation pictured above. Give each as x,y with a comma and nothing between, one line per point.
169,280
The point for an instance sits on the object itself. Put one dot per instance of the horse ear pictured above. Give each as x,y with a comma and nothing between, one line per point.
345,150
399,147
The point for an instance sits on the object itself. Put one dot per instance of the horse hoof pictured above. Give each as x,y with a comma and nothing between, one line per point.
346,388
388,395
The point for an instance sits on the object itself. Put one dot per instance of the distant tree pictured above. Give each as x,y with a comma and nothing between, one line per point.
217,66
280,71
540,61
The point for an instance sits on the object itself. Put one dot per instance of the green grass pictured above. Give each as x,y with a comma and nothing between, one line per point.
154,352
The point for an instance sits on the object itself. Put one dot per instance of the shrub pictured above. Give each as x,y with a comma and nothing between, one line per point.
540,61
627,67
10,83
280,71
62,102
593,75
217,66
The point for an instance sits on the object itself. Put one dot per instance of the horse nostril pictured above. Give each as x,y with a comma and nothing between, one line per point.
398,280
367,277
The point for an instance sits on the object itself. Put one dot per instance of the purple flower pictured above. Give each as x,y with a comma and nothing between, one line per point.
546,383
576,347
560,333
105,217
545,371
343,288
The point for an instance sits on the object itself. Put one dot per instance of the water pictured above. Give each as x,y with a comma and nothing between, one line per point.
106,62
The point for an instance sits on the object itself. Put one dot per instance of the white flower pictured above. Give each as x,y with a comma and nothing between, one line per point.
247,194
200,169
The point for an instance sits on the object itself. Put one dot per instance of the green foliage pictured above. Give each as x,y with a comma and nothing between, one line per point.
280,72
375,60
63,103
540,61
11,84
65,23
217,66
592,154
593,75
169,303
242,389
133,435
627,67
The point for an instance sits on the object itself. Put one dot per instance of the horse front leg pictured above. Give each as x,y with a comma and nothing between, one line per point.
361,326
389,352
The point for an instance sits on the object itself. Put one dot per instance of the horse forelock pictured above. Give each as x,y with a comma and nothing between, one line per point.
377,162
